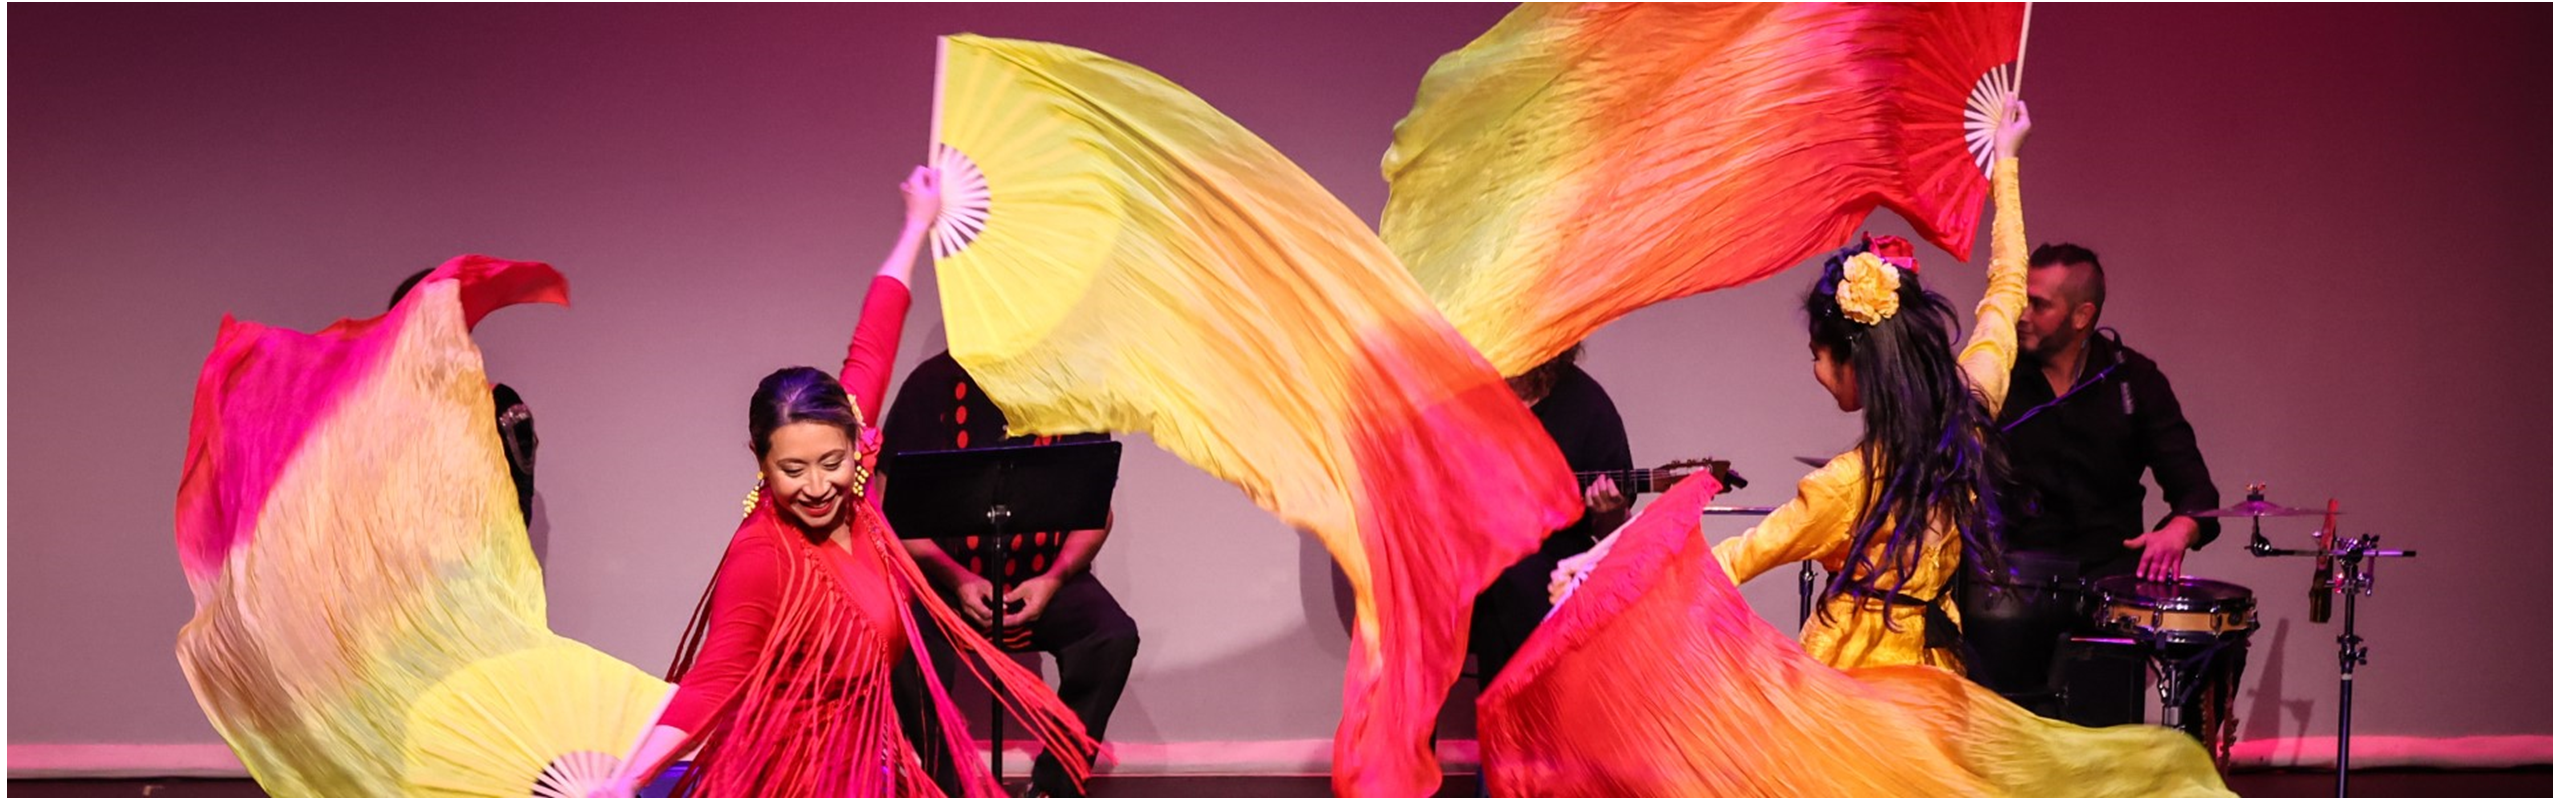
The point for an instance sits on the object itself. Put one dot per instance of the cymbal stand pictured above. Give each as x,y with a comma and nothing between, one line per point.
2355,560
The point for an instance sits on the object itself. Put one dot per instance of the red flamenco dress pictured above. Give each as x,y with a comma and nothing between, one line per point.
784,675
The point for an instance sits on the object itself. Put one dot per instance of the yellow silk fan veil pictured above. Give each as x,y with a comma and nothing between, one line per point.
1116,255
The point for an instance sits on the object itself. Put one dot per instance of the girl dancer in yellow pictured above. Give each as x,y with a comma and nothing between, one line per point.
1893,518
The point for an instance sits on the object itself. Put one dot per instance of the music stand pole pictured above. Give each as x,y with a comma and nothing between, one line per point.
955,494
997,516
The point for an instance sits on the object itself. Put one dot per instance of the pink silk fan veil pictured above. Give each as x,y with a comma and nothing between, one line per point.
1655,678
369,618
1581,161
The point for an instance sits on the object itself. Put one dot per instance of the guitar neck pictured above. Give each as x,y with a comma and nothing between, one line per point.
1631,482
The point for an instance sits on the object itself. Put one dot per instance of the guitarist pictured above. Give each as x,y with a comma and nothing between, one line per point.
1578,414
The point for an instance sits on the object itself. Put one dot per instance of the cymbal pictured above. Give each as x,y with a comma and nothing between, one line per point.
2261,508
1812,462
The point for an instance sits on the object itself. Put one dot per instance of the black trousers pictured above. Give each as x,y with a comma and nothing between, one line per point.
1515,603
1095,644
2017,631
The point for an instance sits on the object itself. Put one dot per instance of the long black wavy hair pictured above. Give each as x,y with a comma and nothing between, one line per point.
1930,445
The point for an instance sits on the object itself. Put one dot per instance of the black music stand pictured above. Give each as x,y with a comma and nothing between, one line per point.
955,494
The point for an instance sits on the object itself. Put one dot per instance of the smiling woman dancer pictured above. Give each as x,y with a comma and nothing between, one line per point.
784,678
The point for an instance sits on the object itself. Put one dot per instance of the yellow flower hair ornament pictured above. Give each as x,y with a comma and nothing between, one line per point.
1870,290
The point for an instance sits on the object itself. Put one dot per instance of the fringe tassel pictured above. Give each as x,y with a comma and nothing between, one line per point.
1023,694
817,716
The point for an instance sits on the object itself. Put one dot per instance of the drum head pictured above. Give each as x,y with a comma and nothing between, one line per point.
2180,594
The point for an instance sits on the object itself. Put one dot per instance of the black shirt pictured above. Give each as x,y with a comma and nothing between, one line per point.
2079,462
1577,413
515,436
940,407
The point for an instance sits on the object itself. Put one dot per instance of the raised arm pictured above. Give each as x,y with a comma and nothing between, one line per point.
1993,348
874,351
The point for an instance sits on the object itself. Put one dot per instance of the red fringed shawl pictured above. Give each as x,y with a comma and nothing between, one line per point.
815,717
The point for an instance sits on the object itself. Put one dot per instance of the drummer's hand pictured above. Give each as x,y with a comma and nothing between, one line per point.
2164,550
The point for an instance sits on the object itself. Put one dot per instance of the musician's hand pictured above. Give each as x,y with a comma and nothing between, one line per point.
1727,479
1034,596
1603,497
2164,550
2012,133
977,600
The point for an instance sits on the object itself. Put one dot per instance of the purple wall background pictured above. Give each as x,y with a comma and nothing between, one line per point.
2330,224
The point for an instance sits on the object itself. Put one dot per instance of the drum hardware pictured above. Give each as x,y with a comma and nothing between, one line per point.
2116,641
2185,625
1804,594
2350,574
2257,508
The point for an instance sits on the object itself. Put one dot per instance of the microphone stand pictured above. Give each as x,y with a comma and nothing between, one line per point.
2355,559
1804,594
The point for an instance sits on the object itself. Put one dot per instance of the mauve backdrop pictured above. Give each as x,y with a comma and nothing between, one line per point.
2329,224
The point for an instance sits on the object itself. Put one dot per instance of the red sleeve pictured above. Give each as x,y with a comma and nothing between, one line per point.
875,346
743,599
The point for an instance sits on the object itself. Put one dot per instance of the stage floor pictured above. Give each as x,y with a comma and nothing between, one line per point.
2534,782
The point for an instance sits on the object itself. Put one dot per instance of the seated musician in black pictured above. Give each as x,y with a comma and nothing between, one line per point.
1053,604
2085,417
1578,414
